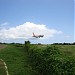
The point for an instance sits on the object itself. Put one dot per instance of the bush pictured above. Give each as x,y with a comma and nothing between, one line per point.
45,61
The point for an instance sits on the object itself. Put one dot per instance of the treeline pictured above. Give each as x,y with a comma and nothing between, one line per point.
9,43
2,43
15,44
40,43
64,43
48,61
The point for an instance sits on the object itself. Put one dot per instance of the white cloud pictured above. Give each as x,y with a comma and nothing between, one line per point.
3,24
25,31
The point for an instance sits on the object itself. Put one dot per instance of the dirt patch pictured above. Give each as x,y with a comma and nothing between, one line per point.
1,63
2,46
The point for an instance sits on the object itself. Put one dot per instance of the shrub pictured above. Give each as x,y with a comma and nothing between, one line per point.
45,61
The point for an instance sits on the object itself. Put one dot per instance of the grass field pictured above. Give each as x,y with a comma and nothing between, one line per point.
16,58
67,50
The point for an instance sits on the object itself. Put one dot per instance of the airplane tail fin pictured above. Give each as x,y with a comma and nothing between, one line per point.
33,34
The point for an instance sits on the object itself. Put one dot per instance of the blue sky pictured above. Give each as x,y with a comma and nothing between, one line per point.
50,14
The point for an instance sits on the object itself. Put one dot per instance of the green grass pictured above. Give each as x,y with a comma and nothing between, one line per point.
16,60
2,71
2,68
67,50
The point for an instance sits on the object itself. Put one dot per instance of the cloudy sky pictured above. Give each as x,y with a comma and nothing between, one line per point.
52,18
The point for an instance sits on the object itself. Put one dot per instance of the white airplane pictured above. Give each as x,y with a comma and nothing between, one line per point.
37,36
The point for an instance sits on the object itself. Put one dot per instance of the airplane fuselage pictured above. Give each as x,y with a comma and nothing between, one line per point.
37,36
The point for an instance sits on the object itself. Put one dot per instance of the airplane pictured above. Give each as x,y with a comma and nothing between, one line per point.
37,36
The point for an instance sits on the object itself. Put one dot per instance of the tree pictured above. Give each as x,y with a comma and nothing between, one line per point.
27,45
